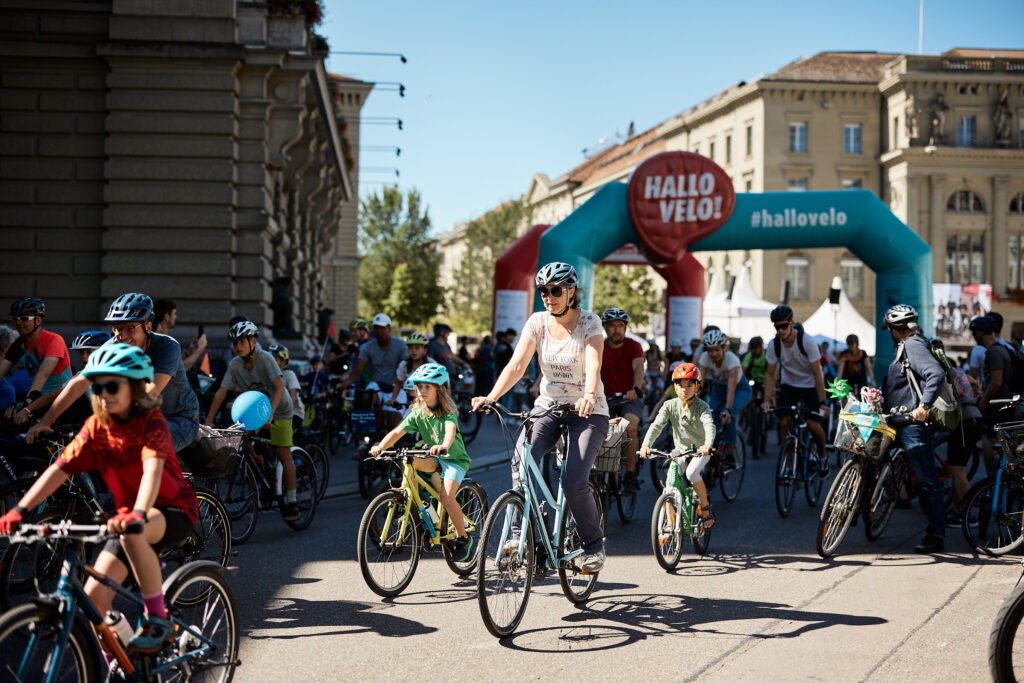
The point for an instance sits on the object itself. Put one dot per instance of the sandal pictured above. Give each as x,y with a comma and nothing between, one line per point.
707,515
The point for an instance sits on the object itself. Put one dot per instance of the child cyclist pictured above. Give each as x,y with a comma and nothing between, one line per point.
127,439
435,416
692,425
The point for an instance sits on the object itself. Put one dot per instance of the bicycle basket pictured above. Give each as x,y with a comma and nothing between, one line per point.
1011,437
363,421
213,455
610,455
864,434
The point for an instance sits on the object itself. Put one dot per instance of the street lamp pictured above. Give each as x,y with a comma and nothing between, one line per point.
380,120
372,54
393,86
833,299
380,169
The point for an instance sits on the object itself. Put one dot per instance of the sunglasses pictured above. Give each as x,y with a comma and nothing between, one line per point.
23,318
554,292
782,326
111,387
121,330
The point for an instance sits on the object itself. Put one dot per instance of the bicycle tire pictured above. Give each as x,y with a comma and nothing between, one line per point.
666,538
659,470
201,598
839,508
210,538
625,501
813,486
472,498
305,489
503,580
39,625
239,493
323,468
368,473
994,533
576,585
732,479
785,477
699,537
397,554
1002,636
882,503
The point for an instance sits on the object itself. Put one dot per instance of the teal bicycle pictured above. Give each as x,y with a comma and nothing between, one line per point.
677,513
56,637
518,545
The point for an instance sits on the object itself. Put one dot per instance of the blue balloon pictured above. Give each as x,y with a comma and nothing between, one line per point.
252,409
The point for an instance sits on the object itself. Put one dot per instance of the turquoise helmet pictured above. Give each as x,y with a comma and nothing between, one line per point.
434,373
119,359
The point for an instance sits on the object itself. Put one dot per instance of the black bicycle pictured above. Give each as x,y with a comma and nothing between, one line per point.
799,465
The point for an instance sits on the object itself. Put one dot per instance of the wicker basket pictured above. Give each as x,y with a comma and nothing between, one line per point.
213,455
609,458
1011,437
851,432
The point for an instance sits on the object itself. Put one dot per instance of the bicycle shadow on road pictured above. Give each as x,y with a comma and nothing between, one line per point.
305,618
462,591
728,563
639,616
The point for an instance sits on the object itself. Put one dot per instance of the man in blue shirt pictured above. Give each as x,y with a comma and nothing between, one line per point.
382,354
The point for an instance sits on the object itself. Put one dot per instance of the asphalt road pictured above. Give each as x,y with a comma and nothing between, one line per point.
760,606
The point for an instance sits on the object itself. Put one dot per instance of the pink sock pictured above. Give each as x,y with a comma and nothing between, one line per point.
155,604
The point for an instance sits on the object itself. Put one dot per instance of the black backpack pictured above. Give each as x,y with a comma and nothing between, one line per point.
799,343
1017,363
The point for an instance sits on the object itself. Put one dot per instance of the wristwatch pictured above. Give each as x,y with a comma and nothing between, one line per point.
925,406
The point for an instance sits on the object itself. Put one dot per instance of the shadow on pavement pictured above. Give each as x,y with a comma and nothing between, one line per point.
462,591
639,616
308,617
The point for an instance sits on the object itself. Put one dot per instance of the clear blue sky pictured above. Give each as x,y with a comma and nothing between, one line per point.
498,91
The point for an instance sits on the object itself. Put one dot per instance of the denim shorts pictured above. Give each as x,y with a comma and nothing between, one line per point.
450,470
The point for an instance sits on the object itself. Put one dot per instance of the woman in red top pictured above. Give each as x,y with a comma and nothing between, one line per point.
128,441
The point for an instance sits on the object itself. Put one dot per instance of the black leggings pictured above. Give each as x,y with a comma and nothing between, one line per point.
179,526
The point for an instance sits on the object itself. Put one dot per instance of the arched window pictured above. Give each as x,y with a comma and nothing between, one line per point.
1017,203
964,201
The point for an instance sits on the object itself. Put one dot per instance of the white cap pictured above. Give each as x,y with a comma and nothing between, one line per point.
381,320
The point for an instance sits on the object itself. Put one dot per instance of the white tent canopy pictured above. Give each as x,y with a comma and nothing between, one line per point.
837,324
745,316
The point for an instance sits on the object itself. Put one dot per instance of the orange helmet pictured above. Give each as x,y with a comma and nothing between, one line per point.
686,371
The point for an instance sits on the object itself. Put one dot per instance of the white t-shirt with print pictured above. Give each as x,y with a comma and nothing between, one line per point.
562,366
797,369
718,375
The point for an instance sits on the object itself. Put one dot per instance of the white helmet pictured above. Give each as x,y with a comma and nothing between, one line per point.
900,315
714,338
557,273
243,328
613,314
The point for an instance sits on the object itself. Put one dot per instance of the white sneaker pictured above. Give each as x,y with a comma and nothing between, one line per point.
592,563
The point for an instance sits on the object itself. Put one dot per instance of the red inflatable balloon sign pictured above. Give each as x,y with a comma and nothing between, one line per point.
675,199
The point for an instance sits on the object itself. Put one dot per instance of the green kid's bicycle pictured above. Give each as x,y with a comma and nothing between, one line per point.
677,513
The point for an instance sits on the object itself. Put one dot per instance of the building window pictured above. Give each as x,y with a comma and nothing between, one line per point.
798,137
797,184
750,139
852,183
852,272
696,148
966,130
851,138
798,274
749,184
728,149
1017,203
964,201
894,139
711,151
965,258
1016,272
1021,123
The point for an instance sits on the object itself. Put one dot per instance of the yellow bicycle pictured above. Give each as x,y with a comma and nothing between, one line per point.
401,523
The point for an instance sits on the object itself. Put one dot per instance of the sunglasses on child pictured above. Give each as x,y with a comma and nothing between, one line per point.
111,387
554,291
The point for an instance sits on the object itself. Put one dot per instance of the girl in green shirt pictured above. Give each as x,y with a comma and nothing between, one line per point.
434,417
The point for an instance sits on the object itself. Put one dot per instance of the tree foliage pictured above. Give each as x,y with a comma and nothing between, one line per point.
400,265
469,301
627,287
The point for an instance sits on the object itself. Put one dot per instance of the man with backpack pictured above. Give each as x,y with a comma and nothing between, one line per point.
997,370
914,382
798,359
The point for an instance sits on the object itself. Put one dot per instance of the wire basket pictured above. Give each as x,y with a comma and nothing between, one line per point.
213,455
609,458
1011,437
864,434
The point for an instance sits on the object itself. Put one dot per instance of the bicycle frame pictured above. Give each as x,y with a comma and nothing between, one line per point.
411,482
683,498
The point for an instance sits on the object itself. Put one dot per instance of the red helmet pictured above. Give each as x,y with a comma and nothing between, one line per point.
686,371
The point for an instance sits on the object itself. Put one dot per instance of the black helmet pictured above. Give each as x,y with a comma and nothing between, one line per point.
781,313
984,323
28,306
755,341
900,315
131,307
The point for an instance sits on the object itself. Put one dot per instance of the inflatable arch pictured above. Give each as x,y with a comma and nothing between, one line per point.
679,201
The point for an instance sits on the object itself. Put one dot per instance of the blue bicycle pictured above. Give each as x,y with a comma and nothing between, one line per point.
55,638
511,557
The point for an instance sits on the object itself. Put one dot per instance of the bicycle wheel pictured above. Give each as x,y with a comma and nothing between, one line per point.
368,472
211,536
31,570
813,486
699,537
202,599
666,532
884,496
503,577
732,477
785,477
469,421
1005,654
472,498
323,468
625,501
28,636
389,544
839,508
992,523
576,585
305,489
240,494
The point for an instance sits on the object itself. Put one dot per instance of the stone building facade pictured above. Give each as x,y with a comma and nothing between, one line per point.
185,148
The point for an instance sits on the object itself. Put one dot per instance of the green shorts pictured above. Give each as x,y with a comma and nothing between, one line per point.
281,432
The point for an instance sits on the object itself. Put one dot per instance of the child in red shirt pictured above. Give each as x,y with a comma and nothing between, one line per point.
128,441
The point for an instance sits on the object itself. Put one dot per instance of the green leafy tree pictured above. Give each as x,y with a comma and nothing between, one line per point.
400,266
469,301
627,287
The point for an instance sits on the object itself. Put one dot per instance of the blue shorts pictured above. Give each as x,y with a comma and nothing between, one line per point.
184,430
450,470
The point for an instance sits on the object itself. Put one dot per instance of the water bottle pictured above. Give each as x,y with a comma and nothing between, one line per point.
429,515
118,623
280,478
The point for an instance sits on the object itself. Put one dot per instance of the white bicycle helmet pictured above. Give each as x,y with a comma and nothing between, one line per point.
614,314
900,315
244,328
557,273
714,338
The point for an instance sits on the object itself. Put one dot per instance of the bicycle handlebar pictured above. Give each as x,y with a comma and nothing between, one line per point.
559,410
399,453
89,533
689,452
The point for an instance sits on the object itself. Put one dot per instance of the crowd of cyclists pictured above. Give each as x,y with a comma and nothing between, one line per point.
142,397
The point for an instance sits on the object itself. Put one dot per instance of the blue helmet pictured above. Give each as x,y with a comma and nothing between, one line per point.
120,359
90,339
434,373
30,305
130,308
